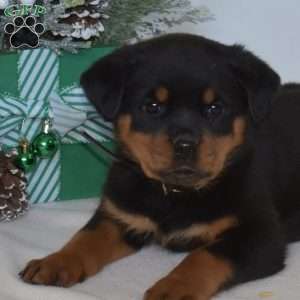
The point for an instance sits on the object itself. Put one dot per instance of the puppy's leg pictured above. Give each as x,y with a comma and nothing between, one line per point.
196,278
99,243
242,255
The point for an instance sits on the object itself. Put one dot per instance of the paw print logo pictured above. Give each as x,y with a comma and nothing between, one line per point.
24,32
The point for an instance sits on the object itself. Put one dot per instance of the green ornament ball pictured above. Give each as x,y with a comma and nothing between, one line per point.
26,158
45,144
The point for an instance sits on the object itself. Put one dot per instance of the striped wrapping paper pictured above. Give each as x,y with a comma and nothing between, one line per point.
40,96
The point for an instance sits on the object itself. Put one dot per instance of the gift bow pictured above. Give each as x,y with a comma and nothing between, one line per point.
40,97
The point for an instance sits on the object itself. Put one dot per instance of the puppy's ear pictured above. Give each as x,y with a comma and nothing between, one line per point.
104,83
259,80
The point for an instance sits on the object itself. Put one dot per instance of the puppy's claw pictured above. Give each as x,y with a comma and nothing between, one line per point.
57,269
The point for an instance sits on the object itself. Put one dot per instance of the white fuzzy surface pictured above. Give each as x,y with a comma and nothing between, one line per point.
47,227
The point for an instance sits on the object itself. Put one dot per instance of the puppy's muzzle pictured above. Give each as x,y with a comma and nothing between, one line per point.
185,147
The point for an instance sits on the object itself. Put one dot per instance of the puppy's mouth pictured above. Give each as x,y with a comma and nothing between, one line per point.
185,176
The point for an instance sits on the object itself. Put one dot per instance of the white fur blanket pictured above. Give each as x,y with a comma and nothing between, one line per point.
47,227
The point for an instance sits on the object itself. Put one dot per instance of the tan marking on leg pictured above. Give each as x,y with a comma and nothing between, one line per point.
206,272
199,276
99,247
84,255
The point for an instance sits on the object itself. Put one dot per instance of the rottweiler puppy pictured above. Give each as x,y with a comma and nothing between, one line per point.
215,167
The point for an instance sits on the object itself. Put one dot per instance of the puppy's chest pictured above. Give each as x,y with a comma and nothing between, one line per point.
176,229
193,235
183,227
185,238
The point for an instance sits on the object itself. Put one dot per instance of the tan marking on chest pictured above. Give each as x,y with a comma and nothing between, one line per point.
206,232
136,222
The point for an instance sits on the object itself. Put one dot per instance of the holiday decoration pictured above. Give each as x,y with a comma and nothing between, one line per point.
13,200
85,19
25,158
74,24
45,87
45,144
39,85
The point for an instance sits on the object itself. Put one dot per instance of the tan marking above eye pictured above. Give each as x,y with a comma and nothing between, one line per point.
208,232
136,222
209,96
162,94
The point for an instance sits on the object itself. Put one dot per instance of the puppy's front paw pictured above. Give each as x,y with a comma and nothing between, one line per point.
56,269
174,288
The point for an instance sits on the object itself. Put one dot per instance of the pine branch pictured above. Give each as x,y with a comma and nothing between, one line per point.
124,17
123,21
52,16
129,18
3,21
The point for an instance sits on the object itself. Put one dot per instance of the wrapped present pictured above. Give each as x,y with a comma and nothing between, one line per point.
37,83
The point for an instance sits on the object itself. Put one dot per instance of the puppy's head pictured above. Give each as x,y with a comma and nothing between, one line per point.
181,104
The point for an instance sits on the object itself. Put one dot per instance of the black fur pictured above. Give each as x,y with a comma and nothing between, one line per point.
260,185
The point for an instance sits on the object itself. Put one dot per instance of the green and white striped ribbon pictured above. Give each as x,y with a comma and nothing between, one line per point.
40,97
38,77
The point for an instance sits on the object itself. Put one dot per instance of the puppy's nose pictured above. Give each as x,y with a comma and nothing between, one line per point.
184,148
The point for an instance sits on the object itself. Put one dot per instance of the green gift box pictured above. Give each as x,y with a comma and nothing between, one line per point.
38,83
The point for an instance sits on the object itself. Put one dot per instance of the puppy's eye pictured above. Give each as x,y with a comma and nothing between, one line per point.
154,108
212,111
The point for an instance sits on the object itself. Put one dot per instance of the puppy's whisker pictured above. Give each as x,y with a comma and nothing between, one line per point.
113,155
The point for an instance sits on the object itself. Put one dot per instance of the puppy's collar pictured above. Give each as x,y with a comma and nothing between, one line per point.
167,189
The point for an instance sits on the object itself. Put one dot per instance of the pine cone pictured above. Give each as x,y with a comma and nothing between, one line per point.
84,20
13,200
